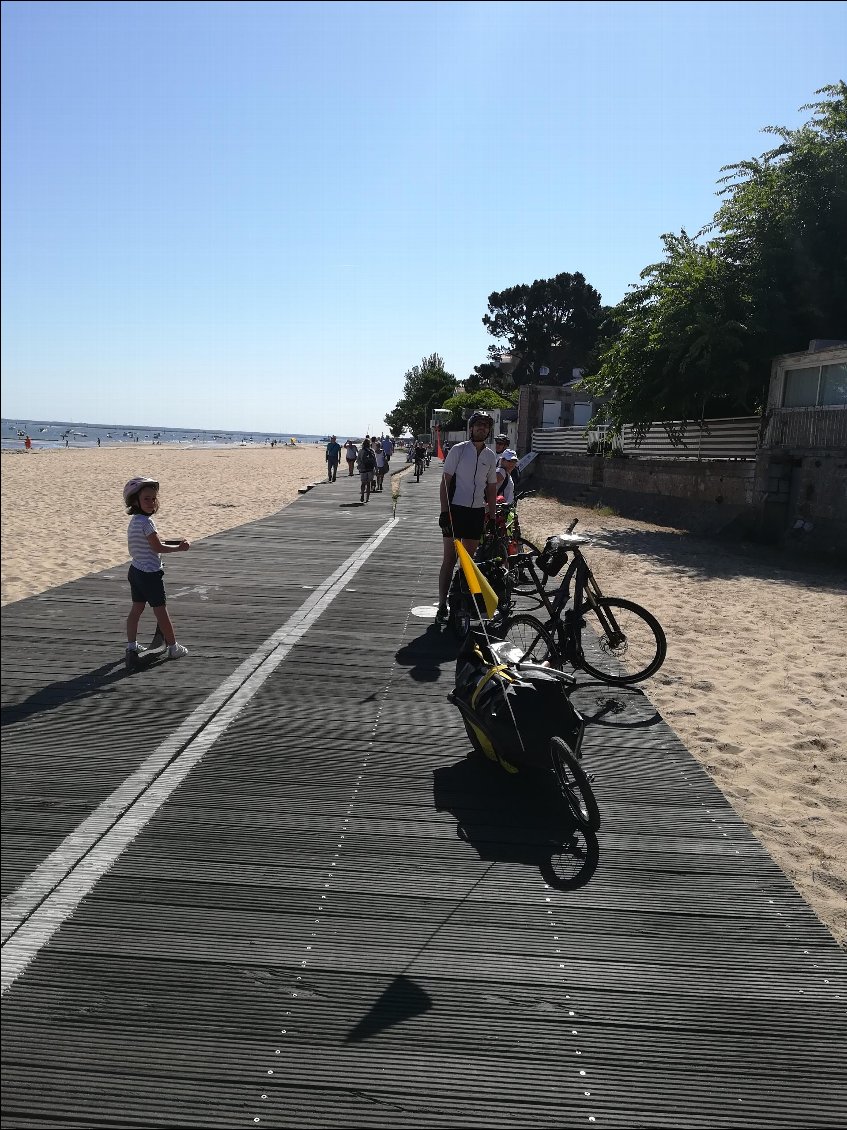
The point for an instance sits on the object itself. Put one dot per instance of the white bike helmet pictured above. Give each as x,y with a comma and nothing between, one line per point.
135,485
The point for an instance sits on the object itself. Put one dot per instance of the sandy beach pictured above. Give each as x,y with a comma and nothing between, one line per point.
63,515
755,682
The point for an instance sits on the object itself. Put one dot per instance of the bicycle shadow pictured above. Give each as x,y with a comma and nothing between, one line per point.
620,708
516,818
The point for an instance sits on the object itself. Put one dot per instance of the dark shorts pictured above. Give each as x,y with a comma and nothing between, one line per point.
147,588
468,522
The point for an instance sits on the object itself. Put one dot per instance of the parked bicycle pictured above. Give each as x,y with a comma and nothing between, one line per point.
501,556
490,556
518,577
613,639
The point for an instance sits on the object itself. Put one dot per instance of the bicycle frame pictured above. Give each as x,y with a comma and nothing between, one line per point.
563,623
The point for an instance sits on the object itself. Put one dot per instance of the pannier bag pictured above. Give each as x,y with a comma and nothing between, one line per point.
519,710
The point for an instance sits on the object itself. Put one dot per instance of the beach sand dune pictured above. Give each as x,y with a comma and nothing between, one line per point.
755,681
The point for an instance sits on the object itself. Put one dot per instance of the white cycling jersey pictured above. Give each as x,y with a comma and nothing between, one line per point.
472,470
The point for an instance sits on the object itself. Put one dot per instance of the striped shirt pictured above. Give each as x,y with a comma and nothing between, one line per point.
143,557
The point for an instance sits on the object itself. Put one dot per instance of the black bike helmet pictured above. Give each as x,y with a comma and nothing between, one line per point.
481,414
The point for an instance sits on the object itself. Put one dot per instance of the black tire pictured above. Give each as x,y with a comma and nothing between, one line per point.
520,578
574,786
458,601
637,654
531,638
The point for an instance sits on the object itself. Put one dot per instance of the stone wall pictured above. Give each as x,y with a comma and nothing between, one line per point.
765,498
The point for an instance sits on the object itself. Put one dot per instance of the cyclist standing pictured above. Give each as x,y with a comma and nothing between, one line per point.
468,490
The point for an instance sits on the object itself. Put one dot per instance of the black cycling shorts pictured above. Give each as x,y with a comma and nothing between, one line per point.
147,588
468,522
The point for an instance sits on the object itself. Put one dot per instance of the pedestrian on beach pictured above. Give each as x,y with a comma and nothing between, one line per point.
367,467
351,455
28,443
333,454
468,490
141,499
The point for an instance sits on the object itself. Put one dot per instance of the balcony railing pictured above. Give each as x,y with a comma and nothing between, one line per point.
806,427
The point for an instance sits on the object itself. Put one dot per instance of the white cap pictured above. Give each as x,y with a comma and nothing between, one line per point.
508,454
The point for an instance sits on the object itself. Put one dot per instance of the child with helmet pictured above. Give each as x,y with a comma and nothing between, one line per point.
145,576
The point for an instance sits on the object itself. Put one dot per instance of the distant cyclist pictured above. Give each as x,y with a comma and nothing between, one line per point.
420,457
468,491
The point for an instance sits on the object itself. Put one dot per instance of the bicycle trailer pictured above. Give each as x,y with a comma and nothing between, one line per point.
512,711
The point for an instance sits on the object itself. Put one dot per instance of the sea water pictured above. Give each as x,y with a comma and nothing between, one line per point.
61,433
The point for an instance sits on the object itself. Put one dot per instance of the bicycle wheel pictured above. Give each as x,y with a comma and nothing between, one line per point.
574,786
630,644
531,640
459,602
520,578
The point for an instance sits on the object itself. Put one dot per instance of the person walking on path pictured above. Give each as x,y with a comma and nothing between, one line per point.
333,454
351,455
141,499
381,465
367,466
468,490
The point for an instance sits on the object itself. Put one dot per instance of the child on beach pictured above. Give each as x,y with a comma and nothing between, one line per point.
141,498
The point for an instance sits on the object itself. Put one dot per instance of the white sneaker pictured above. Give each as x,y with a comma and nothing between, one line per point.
177,650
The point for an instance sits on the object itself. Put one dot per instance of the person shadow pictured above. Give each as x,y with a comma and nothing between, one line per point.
426,654
63,691
516,818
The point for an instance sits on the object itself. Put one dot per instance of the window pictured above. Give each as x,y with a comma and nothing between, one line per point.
801,387
833,384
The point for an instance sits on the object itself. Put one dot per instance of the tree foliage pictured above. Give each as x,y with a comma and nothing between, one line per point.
463,403
784,224
697,335
551,322
491,375
426,386
676,349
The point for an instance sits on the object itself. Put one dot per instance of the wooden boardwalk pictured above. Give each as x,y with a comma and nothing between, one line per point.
264,885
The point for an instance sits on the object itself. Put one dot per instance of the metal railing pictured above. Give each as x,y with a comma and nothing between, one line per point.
806,427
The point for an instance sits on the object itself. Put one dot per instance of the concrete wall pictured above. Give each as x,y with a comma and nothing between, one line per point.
764,499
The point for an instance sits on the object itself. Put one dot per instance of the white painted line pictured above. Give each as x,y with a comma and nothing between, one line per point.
37,908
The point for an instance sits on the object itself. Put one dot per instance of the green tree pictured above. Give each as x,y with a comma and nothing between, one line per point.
552,322
697,335
425,386
677,348
463,403
784,224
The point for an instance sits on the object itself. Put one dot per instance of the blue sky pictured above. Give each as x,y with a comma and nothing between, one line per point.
261,215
